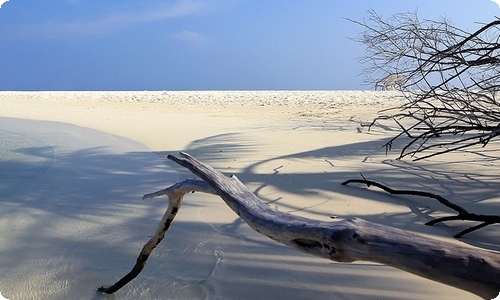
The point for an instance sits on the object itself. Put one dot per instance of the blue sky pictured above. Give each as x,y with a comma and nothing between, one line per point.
198,45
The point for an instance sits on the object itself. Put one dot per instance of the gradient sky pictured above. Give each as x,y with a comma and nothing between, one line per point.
198,45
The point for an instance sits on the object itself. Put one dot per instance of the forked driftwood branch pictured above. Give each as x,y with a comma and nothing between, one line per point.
462,213
175,195
470,269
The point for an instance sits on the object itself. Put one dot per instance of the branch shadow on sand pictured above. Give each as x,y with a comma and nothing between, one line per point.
72,219
466,178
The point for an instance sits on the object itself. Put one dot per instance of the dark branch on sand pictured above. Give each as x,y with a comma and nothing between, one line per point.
463,214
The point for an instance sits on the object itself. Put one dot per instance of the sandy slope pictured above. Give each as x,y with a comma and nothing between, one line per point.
291,148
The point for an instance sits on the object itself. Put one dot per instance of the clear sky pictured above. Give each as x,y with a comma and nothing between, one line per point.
198,45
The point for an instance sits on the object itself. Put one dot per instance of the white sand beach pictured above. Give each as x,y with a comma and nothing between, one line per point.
74,166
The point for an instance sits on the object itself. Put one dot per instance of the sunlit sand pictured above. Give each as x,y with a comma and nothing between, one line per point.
74,166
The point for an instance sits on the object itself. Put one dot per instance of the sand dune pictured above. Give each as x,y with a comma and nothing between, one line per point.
75,165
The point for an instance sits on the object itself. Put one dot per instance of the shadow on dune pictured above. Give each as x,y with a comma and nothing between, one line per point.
72,219
466,178
70,207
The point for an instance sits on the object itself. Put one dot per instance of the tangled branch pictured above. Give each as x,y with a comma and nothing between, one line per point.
450,79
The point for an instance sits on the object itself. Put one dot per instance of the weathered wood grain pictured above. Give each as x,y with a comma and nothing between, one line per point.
471,269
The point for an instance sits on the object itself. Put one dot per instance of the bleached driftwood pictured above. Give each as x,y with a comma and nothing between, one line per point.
470,269
175,195
391,81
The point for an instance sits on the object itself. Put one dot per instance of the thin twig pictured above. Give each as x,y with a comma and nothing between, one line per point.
463,214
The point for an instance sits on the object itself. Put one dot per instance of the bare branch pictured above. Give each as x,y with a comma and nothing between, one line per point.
451,80
463,214
466,268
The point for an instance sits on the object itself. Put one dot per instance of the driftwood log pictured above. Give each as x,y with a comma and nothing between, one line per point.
471,269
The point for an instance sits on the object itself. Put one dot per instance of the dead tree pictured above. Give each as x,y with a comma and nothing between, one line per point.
467,268
450,79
